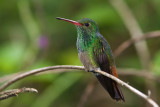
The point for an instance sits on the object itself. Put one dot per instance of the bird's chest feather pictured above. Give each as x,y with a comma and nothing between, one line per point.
87,60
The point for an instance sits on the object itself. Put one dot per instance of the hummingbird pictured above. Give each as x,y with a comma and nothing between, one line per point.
95,53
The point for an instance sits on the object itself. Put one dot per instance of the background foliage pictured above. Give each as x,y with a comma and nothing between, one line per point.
31,37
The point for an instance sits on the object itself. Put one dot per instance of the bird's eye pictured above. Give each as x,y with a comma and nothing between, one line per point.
86,24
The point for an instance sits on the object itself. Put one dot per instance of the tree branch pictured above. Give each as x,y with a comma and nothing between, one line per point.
15,92
129,42
64,67
36,71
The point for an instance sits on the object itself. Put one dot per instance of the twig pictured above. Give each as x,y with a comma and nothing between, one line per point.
9,76
15,92
64,67
129,42
36,71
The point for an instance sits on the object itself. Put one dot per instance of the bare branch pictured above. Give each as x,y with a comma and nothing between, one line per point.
129,42
15,92
9,76
64,67
36,71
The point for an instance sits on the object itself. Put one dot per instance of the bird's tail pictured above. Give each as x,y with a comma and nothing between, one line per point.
111,86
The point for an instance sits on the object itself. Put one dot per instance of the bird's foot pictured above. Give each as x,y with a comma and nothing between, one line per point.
93,71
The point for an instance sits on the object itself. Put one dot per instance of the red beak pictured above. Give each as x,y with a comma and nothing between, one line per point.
70,21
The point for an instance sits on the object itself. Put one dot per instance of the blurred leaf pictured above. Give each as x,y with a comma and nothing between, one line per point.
10,57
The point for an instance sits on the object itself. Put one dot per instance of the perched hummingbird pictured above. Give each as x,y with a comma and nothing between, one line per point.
95,53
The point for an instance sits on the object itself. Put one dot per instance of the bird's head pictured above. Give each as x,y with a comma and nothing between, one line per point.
84,25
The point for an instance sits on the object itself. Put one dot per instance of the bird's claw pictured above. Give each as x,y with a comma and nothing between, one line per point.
93,71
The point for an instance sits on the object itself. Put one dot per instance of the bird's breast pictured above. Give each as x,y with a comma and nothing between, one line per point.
86,61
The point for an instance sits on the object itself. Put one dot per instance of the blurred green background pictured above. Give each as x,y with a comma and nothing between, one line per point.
31,37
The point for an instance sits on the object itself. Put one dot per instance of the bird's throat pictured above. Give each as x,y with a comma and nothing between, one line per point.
84,41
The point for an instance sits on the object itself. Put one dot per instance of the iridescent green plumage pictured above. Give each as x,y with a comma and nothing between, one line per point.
95,53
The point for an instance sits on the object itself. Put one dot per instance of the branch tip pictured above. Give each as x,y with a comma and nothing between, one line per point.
14,92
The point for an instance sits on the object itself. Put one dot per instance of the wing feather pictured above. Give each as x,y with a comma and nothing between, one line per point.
104,59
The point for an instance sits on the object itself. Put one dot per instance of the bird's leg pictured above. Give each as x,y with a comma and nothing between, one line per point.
94,71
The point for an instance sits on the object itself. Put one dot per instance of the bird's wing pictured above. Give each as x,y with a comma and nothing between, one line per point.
103,56
104,59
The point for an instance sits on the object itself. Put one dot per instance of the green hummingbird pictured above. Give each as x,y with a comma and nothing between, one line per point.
95,53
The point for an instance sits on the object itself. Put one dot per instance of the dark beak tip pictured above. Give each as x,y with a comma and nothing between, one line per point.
58,18
70,21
